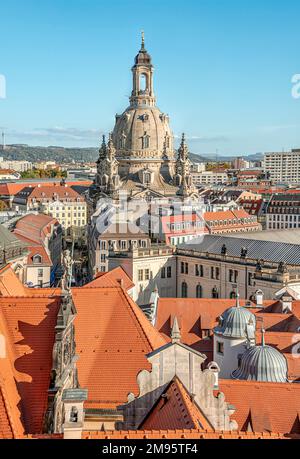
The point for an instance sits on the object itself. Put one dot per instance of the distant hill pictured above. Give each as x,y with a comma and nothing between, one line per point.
89,154
51,153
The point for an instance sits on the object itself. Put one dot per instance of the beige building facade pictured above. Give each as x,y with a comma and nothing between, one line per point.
152,269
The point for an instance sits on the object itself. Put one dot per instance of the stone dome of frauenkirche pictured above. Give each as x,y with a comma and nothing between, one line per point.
142,131
236,322
262,363
142,136
142,159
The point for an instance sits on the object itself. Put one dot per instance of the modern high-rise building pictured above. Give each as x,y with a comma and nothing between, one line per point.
284,166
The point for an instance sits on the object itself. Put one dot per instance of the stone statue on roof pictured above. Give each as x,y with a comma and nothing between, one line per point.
67,263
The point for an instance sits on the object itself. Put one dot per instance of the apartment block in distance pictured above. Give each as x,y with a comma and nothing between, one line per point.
283,167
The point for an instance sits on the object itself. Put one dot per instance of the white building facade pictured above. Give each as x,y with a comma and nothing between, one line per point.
283,167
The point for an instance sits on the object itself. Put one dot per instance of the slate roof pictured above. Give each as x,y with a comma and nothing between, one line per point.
8,239
257,249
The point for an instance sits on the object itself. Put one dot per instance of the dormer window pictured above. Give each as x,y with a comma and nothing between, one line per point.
37,259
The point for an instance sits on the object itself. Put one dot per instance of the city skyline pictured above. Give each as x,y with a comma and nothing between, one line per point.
236,64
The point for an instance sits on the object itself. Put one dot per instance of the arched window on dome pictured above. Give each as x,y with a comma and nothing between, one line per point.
122,141
199,291
167,141
145,141
184,290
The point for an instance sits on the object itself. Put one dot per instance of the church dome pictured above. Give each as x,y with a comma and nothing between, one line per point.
142,58
262,363
236,322
141,132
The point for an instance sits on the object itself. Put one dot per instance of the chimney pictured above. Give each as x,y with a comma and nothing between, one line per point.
259,298
286,304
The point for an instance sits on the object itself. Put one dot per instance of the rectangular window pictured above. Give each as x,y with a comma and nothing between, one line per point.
163,273
186,268
147,274
182,267
169,271
236,273
140,275
220,348
40,272
217,273
212,272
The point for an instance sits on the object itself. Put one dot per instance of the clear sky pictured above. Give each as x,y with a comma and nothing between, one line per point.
223,70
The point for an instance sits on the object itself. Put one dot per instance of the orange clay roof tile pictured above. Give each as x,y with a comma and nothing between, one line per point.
112,339
29,333
175,410
257,399
112,278
10,283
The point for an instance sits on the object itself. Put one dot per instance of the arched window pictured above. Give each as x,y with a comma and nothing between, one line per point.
198,291
232,295
37,259
122,141
184,290
145,141
147,178
143,82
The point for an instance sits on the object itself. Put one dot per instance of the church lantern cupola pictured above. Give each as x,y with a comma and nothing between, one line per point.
142,71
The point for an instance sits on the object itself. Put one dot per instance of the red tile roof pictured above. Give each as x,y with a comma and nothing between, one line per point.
196,315
10,189
181,434
35,228
175,410
254,403
38,250
49,192
10,415
10,285
30,327
115,277
112,337
229,216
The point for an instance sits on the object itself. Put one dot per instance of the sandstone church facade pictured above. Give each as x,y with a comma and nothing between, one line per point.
139,157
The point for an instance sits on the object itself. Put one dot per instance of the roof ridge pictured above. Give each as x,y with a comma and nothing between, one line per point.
134,308
189,402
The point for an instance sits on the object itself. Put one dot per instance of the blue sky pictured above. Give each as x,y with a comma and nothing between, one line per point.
223,70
